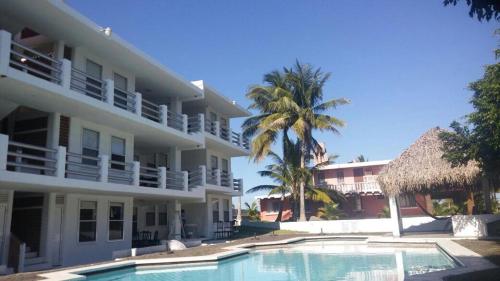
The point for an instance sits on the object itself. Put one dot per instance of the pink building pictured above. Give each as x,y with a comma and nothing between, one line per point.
358,182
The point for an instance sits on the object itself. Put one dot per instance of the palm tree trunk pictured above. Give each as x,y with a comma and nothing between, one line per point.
303,153
280,213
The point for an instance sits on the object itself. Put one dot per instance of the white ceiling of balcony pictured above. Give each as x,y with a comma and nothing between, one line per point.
57,20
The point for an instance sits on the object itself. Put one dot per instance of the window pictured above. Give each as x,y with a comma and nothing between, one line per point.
162,215
93,83
94,70
340,176
151,216
121,99
214,162
68,52
115,221
213,117
215,210
120,82
358,172
226,209
407,201
225,165
321,177
117,153
273,206
88,221
134,221
90,146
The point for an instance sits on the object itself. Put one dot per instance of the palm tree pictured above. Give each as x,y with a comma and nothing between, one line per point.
360,158
253,212
291,100
330,212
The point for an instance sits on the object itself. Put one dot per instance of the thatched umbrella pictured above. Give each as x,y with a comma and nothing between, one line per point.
422,169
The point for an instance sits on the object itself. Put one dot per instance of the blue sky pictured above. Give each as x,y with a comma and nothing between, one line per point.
405,65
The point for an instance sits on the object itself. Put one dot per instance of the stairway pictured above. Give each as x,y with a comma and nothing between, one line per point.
32,262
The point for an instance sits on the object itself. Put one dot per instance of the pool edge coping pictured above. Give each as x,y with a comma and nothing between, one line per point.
450,247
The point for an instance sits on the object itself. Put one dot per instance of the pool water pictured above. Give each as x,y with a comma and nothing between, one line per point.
315,261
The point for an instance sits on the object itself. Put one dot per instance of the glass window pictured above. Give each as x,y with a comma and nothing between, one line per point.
214,162
118,153
93,69
358,172
225,165
150,218
115,221
407,201
88,222
120,82
215,210
162,215
340,176
90,146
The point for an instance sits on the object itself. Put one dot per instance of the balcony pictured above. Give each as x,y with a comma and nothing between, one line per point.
218,180
220,136
371,187
81,94
59,164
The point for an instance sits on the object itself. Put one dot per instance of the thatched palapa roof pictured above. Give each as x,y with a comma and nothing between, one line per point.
421,168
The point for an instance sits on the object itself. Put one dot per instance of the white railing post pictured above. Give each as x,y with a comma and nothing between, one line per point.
202,122
110,91
231,183
136,173
61,162
104,166
65,73
162,177
240,140
217,175
203,169
164,115
217,129
138,104
185,176
5,42
21,258
185,123
4,148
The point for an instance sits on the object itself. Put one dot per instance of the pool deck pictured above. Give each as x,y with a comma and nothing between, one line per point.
210,254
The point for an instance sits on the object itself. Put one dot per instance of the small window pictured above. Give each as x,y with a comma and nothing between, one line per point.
88,221
115,221
407,201
118,153
340,176
215,210
214,162
321,177
273,206
358,172
162,215
68,52
90,146
94,70
150,219
120,82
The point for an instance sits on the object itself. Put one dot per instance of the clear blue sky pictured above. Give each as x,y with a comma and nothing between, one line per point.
405,65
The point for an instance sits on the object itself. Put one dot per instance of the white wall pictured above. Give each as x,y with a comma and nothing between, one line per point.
472,226
75,252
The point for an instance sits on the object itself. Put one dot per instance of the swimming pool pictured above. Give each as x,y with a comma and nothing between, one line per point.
312,260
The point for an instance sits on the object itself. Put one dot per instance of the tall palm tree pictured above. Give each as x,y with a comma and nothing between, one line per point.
291,100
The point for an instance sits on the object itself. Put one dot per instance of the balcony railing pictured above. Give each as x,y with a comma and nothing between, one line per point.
214,128
32,159
82,167
210,127
175,120
35,63
238,184
213,176
225,178
194,124
85,84
224,133
359,187
124,100
151,111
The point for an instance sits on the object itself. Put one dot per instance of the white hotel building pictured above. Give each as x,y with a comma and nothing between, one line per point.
98,141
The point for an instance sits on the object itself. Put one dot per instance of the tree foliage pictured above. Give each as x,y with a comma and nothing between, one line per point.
253,211
479,138
482,9
330,211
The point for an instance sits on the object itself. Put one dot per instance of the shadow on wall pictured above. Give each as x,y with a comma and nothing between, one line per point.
472,226
430,225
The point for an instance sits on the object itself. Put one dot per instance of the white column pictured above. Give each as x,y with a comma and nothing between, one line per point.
177,161
185,123
7,224
231,183
203,175
202,122
217,174
54,125
164,115
217,128
104,165
110,91
238,215
186,180
136,171
4,147
162,177
177,219
51,206
5,41
221,209
240,141
61,162
138,104
65,73
395,216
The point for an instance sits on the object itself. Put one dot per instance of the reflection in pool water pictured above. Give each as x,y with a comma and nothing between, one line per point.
315,261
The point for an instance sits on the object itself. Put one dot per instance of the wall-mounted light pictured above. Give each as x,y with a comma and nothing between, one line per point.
106,31
23,60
